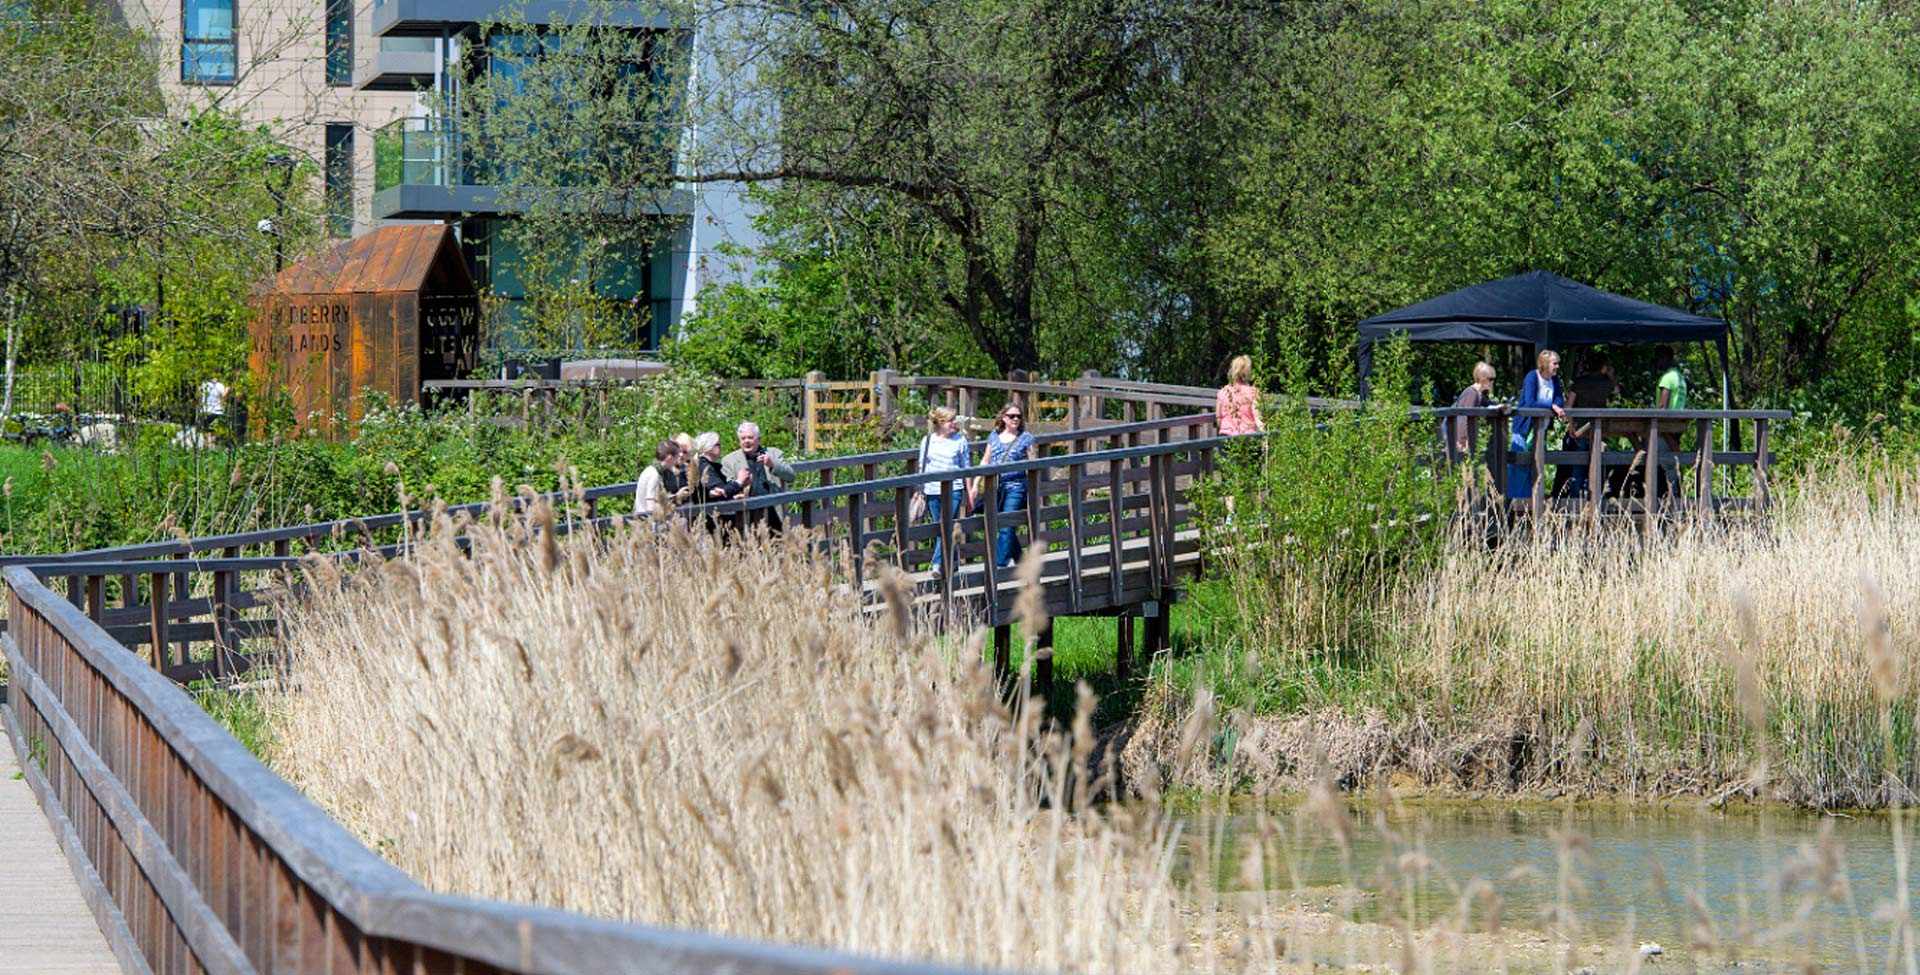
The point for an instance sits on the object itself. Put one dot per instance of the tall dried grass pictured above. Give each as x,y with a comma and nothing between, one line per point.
1624,658
1711,658
652,726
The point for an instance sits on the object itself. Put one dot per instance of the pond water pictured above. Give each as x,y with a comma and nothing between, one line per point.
1617,871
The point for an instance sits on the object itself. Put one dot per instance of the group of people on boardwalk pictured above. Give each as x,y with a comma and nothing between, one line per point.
754,470
1544,389
689,470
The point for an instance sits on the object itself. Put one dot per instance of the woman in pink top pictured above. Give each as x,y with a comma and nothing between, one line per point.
1237,407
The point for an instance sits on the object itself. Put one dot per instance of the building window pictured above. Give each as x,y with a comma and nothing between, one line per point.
339,179
340,43
209,48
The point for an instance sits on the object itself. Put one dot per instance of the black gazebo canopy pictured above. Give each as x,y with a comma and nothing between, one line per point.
1543,310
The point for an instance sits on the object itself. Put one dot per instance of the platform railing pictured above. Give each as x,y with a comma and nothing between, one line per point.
1645,462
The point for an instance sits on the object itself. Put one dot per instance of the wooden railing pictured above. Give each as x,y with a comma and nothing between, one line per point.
196,858
826,411
197,607
1647,463
1113,516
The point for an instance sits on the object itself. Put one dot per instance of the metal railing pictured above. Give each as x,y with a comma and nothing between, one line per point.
415,152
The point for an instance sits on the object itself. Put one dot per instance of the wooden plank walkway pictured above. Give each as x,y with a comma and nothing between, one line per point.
45,926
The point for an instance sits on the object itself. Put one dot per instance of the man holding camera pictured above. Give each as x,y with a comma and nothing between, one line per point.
766,473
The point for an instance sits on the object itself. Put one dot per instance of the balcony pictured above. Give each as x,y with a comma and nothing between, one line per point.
432,17
423,170
400,64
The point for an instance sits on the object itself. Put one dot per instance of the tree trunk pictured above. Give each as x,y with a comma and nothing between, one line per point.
13,332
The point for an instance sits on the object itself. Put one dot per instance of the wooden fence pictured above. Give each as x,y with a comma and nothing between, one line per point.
1635,456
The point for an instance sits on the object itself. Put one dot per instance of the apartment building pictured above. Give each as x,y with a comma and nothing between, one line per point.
290,65
355,86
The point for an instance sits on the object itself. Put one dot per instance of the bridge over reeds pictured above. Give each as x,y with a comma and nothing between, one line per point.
194,857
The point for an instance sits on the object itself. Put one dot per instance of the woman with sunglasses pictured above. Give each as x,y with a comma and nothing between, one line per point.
1010,444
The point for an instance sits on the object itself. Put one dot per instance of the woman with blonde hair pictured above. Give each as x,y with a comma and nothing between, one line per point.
1540,391
1237,407
944,450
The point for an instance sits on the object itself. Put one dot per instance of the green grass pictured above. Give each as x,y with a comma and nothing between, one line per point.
238,711
1083,649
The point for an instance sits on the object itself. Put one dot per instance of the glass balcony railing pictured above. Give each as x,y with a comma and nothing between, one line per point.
414,152
427,152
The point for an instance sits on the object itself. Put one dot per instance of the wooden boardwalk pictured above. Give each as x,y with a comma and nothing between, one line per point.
45,926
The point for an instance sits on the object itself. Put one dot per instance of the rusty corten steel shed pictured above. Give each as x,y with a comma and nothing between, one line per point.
384,311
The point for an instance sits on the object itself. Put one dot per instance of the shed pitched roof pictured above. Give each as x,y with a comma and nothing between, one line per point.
402,258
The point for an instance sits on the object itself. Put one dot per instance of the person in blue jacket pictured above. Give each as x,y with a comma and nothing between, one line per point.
1010,444
1540,391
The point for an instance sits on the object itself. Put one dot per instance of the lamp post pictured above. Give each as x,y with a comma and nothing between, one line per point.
284,164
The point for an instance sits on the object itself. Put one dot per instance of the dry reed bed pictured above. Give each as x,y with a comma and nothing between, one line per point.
1604,663
651,726
648,726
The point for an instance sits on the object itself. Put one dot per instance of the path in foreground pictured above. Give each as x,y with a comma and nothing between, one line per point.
45,926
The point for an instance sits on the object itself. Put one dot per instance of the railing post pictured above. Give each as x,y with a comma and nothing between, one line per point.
1651,476
990,511
157,582
856,533
1596,483
96,597
1116,556
1762,486
1497,463
1539,500
810,408
1703,464
1076,527
883,382
1096,404
1037,481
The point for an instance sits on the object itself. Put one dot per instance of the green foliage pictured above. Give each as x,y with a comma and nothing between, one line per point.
111,210
1700,161
835,292
67,499
1309,528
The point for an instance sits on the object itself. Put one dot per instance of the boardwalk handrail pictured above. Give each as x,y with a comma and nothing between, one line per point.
171,548
202,859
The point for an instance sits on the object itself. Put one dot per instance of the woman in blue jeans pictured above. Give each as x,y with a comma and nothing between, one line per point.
944,450
1010,444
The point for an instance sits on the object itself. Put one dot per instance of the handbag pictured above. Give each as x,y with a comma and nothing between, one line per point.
917,508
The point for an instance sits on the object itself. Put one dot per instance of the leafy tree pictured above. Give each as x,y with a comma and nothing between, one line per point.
994,123
579,126
1748,160
837,289
105,200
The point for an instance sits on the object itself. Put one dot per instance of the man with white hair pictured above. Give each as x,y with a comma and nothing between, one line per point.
767,473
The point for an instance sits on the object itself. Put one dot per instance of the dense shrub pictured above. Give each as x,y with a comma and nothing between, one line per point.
68,498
